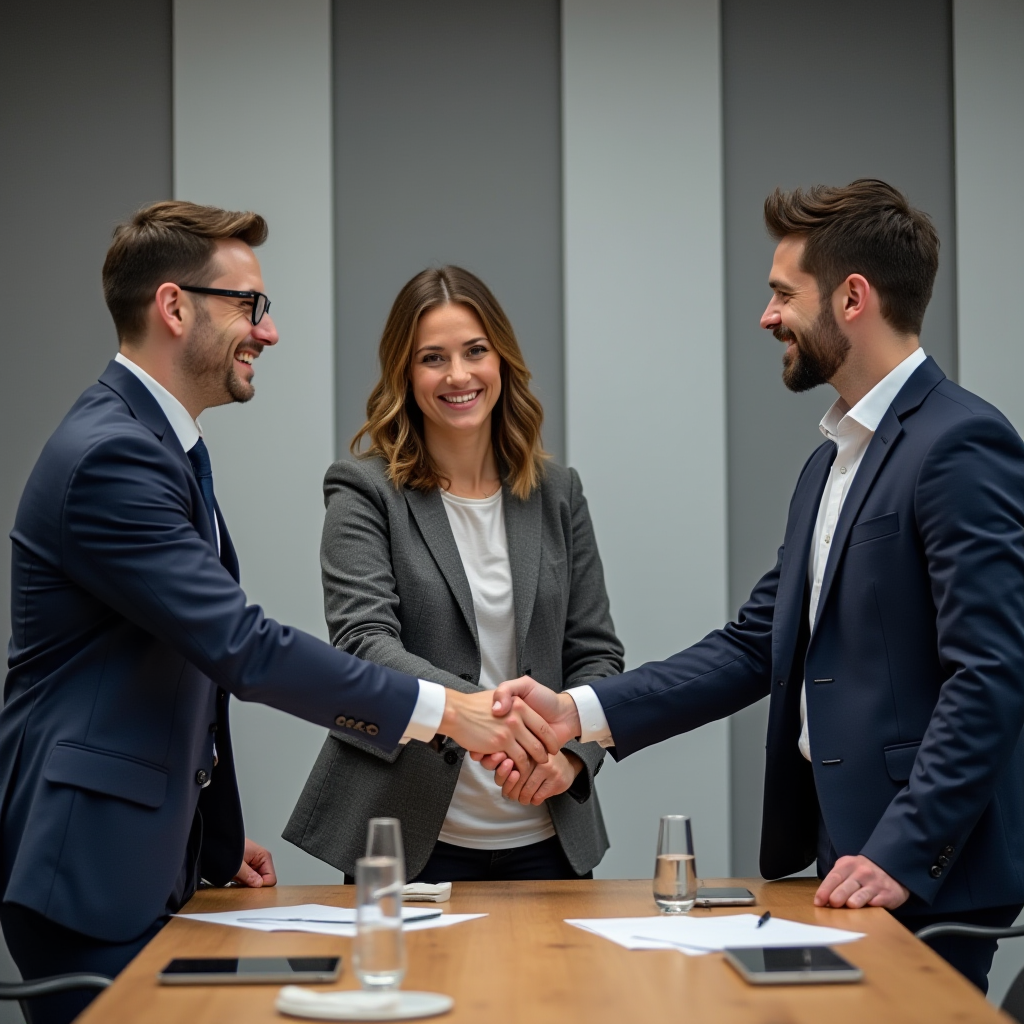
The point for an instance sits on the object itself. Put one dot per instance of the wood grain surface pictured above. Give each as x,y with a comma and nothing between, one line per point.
523,965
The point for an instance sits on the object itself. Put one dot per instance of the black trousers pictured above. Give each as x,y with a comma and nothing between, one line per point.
42,948
536,862
971,957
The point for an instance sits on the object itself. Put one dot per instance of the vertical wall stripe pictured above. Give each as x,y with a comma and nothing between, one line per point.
989,76
259,137
988,44
645,370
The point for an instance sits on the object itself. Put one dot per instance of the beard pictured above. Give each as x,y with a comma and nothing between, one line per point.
204,362
819,353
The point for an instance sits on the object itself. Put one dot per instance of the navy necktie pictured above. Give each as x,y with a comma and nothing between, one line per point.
199,456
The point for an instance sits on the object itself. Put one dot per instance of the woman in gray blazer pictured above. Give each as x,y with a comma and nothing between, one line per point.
452,550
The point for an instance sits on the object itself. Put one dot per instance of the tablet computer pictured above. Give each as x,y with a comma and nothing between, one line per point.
250,970
792,965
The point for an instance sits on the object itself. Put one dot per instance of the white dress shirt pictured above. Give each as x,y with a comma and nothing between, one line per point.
851,430
426,715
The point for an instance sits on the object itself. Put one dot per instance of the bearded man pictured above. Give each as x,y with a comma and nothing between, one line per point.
130,629
890,634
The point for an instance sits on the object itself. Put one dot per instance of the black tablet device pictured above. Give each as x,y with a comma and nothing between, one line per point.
792,965
251,970
731,896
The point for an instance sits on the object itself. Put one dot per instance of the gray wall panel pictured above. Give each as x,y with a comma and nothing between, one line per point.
812,95
86,129
447,150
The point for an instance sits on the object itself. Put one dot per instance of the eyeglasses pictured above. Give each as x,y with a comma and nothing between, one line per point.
260,303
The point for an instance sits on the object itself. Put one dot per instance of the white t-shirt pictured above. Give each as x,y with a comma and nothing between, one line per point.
479,817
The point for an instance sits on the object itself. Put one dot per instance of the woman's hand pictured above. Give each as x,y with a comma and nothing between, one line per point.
540,781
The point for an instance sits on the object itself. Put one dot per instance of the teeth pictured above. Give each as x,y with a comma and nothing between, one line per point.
245,357
459,399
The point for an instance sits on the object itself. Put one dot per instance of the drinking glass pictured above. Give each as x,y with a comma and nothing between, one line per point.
379,951
675,868
384,839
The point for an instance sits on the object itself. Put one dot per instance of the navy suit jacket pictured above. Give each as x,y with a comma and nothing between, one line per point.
914,670
129,632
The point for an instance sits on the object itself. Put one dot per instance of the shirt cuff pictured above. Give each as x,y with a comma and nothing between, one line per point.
594,725
427,714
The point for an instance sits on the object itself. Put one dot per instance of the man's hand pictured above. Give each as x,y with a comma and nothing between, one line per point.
472,720
540,782
858,882
257,867
559,709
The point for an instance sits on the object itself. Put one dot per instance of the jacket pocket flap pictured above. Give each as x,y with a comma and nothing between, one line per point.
900,758
872,529
102,771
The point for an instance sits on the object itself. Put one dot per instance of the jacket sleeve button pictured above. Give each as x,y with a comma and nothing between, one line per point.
201,777
942,860
340,721
949,850
451,757
935,871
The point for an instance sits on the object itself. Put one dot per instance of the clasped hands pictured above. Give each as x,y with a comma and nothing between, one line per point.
518,732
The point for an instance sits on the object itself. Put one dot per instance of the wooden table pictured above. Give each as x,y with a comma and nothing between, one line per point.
523,965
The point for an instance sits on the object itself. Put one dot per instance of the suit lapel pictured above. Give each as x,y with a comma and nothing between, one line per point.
883,442
789,601
428,511
523,530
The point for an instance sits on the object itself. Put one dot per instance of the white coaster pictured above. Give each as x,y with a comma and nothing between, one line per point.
427,893
358,1005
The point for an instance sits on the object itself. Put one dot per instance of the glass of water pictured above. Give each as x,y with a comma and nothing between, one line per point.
378,955
384,839
675,868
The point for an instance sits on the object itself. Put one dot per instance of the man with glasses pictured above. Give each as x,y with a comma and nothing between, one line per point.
117,783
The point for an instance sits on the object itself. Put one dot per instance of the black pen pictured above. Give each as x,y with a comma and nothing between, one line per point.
764,917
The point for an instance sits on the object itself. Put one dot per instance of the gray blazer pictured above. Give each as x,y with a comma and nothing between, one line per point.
395,593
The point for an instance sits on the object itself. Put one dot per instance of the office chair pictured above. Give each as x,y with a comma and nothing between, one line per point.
1013,1003
22,990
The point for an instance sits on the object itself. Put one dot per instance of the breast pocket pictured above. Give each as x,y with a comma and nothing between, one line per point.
873,529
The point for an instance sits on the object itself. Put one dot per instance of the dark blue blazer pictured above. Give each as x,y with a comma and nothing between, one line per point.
915,668
128,635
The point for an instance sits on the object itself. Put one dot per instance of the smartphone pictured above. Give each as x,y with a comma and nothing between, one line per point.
726,897
251,970
789,965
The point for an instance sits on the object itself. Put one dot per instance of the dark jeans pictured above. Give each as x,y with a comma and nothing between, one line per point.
971,957
536,862
42,948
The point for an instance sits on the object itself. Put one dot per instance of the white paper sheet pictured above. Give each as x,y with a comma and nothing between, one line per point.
322,920
699,935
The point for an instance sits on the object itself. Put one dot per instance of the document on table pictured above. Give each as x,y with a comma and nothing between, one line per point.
323,920
699,935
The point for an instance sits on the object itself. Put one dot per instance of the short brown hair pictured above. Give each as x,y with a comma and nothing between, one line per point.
394,421
869,228
167,241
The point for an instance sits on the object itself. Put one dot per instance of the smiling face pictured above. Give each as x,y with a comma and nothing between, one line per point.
455,372
816,347
223,344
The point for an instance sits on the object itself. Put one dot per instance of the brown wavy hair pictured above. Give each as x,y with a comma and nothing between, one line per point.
394,422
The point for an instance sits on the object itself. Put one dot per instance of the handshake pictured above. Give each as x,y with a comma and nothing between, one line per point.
518,732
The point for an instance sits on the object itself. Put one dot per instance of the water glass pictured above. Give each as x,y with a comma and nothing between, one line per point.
384,839
378,955
675,868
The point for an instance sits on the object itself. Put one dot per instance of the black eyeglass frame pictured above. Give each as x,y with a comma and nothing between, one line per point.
254,296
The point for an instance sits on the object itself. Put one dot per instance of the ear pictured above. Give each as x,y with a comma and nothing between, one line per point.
852,297
172,309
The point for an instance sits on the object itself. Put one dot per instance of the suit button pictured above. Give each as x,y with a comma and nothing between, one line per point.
213,727
466,676
935,871
942,860
340,721
781,682
949,850
451,757
201,777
